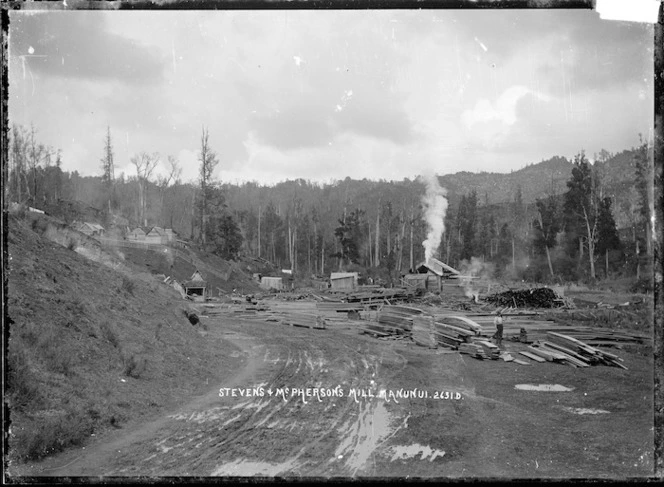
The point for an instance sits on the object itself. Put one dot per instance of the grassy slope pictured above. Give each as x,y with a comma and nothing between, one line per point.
90,348
182,270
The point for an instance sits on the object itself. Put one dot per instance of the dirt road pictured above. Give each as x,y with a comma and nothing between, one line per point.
460,417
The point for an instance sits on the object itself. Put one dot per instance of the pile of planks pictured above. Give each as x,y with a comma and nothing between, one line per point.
568,350
398,316
303,320
451,336
541,297
423,332
393,321
579,353
380,296
295,313
603,337
480,349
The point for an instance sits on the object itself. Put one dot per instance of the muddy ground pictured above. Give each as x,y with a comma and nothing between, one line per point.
474,423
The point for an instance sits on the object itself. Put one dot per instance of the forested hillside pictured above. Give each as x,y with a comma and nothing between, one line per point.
526,224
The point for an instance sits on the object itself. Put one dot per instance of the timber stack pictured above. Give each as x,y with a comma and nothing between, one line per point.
393,321
423,331
451,336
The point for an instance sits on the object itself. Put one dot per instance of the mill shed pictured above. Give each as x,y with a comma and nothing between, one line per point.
429,275
343,280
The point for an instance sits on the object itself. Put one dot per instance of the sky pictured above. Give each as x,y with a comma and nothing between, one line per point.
322,95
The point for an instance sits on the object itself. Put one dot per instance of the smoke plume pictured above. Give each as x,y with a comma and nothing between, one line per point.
435,207
475,269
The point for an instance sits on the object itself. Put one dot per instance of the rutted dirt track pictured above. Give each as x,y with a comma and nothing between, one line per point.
267,435
494,430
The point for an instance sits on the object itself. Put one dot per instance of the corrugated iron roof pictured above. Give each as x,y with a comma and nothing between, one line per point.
437,267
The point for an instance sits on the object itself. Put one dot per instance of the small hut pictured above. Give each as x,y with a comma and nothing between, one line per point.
156,235
136,234
91,229
343,280
276,283
196,287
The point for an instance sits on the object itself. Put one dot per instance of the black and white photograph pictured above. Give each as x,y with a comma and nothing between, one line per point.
330,244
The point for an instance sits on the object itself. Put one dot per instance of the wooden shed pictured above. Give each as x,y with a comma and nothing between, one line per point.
343,280
91,229
156,235
136,234
276,283
196,286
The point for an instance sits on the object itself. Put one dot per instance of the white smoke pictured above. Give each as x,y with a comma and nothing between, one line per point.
470,272
435,207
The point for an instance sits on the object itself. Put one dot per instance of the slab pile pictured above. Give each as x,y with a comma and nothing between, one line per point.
542,297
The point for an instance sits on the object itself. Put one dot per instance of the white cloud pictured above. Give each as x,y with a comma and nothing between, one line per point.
503,110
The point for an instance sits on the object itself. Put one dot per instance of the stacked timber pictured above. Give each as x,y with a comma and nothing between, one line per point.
460,322
603,337
547,354
296,313
473,349
398,316
392,321
423,331
451,336
303,320
581,352
376,297
338,307
532,356
490,350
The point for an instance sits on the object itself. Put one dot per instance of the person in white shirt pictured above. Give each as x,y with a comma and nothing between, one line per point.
498,321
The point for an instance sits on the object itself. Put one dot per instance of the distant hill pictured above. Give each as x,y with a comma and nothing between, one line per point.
546,177
534,180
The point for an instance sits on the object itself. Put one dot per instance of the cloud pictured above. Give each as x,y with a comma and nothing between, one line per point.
502,111
77,45
490,124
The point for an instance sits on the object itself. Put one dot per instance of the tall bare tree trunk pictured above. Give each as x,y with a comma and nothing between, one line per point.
638,262
371,260
377,252
259,230
548,258
513,256
412,255
403,234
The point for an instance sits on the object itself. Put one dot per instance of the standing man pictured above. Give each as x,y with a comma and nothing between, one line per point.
498,321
